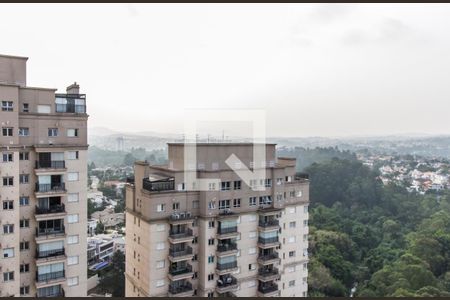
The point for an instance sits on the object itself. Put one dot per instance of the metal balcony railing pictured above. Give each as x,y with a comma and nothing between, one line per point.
50,231
268,240
269,223
175,234
180,270
269,256
267,272
268,288
226,266
53,209
178,289
50,187
226,282
161,185
49,253
50,276
226,247
227,230
180,252
54,164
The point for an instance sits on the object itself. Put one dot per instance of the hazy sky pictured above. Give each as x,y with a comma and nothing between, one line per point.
317,69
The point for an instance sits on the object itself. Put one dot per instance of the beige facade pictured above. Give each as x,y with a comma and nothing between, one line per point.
230,240
43,188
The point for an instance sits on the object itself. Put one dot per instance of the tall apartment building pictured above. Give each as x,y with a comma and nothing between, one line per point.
43,173
230,240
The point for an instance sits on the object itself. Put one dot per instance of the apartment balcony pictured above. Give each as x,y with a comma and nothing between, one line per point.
167,184
268,290
46,292
268,259
181,218
226,213
183,290
227,284
50,233
50,188
227,233
180,236
70,103
226,295
52,211
226,249
266,274
182,272
224,268
50,255
265,243
269,225
50,278
50,166
176,255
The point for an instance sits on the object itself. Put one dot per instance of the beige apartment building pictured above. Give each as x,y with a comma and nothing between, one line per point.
227,240
43,173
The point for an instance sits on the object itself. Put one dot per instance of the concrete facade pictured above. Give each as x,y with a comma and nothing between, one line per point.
43,188
230,240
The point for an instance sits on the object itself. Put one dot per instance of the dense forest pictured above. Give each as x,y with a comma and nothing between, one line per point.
371,240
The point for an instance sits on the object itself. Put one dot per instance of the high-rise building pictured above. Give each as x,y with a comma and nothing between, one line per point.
43,173
229,239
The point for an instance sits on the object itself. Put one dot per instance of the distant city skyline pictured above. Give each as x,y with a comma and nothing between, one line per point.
332,70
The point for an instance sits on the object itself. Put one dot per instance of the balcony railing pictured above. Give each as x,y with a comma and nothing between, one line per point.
50,276
54,164
178,253
227,230
267,272
226,282
156,186
50,187
268,288
268,240
75,103
178,289
53,209
49,253
181,233
180,270
50,293
227,247
50,231
226,266
270,256
269,223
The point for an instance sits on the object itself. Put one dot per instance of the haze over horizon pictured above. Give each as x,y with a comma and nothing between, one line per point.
317,69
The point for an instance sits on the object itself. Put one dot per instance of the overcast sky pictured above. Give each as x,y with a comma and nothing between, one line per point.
317,69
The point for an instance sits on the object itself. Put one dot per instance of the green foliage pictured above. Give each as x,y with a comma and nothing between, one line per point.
381,239
112,279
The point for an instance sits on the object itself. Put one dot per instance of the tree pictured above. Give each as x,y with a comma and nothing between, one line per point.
100,228
112,279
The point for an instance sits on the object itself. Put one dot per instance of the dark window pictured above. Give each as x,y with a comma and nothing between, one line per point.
24,223
24,178
7,157
24,246
24,290
7,106
211,242
24,156
25,107
7,131
237,202
23,201
237,185
8,276
8,228
24,268
8,181
9,204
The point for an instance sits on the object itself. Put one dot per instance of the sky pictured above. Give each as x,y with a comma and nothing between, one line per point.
315,69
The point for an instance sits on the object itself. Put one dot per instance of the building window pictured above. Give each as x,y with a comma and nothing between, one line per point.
291,283
72,155
237,202
251,267
8,228
195,240
24,290
72,260
72,176
24,155
7,157
212,186
292,224
211,241
268,182
24,131
291,239
237,185
7,106
160,246
24,201
252,201
211,205
24,268
53,132
210,277
291,253
72,281
8,252
8,181
8,204
176,206
25,107
210,259
160,264
224,204
305,266
159,283
225,185
72,239
195,204
292,210
72,218
43,109
160,207
8,276
210,294
72,132
211,224
7,131
72,197
24,178
265,200
24,223
305,209
305,223
24,246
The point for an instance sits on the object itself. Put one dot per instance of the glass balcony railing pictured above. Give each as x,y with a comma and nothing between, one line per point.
226,266
50,276
50,187
226,247
269,240
49,253
52,209
180,288
269,223
54,164
180,252
226,230
50,231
